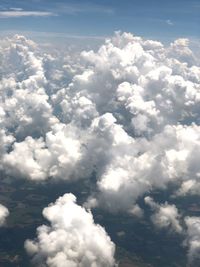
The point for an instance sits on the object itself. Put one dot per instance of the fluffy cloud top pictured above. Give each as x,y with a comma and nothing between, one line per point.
37,159
72,239
24,102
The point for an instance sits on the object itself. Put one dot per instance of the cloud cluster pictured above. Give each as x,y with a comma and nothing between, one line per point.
126,116
4,212
72,238
36,159
129,111
152,93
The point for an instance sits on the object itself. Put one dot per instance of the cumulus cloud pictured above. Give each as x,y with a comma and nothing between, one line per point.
193,238
149,96
58,156
72,238
4,212
24,102
165,215
137,165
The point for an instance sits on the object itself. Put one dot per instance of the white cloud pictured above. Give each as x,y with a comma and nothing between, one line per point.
16,8
165,215
24,101
17,13
57,156
193,238
3,214
72,238
169,22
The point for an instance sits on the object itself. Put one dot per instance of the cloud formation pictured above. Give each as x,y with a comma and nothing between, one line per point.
165,216
125,117
72,238
193,238
129,112
4,212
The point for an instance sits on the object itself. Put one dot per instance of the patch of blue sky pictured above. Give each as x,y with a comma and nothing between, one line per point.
149,18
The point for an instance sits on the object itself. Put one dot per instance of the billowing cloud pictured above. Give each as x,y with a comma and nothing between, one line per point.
24,102
72,238
4,212
165,215
37,159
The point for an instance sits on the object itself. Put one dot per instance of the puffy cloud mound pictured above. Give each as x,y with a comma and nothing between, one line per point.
3,214
72,239
24,102
152,93
37,159
193,238
165,216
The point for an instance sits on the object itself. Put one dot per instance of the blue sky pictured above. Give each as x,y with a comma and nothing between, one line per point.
149,18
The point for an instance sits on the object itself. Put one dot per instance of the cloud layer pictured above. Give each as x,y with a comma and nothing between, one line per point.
129,111
125,116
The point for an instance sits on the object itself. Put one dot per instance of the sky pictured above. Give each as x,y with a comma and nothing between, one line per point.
164,20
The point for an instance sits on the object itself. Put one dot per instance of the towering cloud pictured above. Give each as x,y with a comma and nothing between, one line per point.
72,238
24,102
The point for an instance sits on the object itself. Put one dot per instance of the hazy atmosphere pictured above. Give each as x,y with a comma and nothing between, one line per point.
99,133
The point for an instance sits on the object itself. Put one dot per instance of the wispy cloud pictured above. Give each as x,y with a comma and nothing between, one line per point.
16,9
33,34
64,7
169,22
54,9
87,8
13,13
